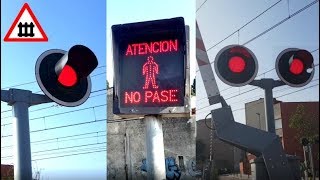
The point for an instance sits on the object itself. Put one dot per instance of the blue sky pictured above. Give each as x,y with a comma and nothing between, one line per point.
66,23
219,19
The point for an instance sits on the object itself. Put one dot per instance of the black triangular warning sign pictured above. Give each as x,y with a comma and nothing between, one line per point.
26,28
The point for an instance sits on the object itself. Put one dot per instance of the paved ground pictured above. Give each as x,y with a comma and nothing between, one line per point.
234,177
237,177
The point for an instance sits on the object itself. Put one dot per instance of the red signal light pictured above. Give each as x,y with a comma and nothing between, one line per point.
237,64
64,76
296,66
68,76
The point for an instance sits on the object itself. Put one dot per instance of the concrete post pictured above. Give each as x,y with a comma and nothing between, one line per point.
155,148
21,100
21,135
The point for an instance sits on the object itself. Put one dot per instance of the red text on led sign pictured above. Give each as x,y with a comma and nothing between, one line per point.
152,47
163,96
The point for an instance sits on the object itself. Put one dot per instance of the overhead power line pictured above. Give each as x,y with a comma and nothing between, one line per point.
201,5
56,105
62,137
73,154
282,21
91,107
64,126
62,148
236,31
257,88
267,30
285,94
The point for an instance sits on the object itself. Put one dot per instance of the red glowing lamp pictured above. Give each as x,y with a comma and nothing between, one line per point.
296,66
68,76
237,64
63,76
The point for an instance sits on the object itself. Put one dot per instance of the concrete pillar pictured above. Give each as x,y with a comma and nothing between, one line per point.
155,148
21,135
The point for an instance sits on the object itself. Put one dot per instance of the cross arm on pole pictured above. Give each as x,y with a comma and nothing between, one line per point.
267,83
18,95
5,95
39,99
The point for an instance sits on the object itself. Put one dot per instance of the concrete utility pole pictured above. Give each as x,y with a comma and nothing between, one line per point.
155,148
21,100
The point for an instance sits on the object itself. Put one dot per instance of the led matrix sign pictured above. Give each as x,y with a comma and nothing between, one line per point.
149,62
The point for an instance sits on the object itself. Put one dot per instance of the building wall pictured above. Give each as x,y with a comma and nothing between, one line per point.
292,145
282,113
255,115
7,172
126,148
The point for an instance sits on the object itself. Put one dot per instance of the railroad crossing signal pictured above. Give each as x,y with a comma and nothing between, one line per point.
236,65
64,76
26,28
149,65
295,67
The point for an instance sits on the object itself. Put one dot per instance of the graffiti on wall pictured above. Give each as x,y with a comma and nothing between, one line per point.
172,169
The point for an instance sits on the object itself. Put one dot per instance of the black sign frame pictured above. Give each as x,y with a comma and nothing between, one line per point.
123,31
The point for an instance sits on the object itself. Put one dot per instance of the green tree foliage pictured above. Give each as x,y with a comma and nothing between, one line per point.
301,122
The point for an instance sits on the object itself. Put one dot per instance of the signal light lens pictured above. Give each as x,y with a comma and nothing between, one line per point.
237,64
296,66
68,76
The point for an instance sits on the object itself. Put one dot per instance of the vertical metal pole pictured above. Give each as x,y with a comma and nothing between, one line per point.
21,135
311,162
155,148
269,111
305,151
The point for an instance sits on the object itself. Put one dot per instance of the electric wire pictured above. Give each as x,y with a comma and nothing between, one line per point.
257,88
267,30
56,105
59,127
201,5
61,137
67,112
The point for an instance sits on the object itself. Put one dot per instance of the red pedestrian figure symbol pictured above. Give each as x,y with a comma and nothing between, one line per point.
150,69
